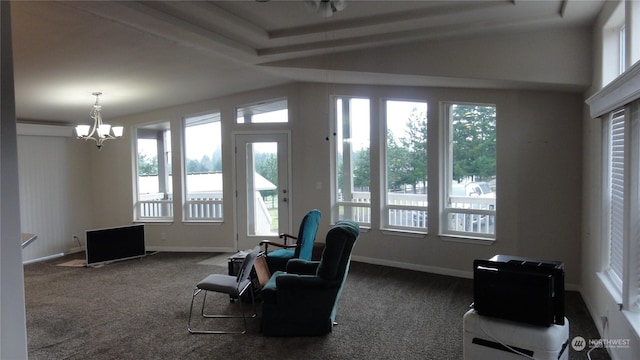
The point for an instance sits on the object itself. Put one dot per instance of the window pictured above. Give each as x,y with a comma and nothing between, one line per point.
614,197
405,202
203,168
621,205
153,200
614,45
469,204
275,111
353,170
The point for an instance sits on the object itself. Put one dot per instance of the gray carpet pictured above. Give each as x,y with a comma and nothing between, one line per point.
138,309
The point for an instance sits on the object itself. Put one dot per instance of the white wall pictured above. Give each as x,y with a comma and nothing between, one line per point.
55,198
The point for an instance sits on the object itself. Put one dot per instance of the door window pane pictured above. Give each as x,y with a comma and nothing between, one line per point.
262,188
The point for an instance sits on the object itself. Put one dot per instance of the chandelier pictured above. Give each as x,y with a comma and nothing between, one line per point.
100,131
326,8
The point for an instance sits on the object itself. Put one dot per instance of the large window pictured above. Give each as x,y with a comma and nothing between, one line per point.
405,202
469,202
621,205
353,196
154,200
203,168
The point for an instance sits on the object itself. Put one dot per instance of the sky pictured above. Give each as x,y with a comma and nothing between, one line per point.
397,113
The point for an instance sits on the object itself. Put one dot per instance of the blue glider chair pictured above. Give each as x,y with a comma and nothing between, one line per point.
303,300
302,249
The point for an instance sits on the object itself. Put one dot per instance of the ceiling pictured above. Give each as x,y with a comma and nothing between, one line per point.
150,55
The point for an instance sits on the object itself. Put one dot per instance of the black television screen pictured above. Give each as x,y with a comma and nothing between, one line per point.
113,244
520,289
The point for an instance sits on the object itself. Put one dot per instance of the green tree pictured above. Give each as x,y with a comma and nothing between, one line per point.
361,169
474,142
415,142
266,164
398,163
407,155
147,165
207,164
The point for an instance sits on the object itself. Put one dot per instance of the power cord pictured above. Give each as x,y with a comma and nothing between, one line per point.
596,346
500,342
78,240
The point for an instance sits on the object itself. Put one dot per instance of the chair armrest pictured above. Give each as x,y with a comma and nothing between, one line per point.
302,267
266,244
300,283
286,236
305,293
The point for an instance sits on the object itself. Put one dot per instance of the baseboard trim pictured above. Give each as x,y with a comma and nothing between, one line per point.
190,249
416,267
433,269
54,256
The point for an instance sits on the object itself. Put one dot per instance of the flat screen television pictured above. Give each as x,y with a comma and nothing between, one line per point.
115,244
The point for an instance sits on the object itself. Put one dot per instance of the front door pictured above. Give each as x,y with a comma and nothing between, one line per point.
262,187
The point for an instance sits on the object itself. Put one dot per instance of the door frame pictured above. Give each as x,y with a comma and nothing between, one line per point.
236,208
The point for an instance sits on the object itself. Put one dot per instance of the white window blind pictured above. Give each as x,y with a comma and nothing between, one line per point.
616,196
634,238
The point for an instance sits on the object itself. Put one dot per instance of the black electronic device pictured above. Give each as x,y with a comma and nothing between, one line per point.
114,244
519,289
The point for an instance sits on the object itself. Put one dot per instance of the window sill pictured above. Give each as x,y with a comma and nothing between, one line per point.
467,239
612,289
406,233
154,221
633,318
202,222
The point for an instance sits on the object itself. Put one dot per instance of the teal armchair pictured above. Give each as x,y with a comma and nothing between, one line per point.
302,249
303,300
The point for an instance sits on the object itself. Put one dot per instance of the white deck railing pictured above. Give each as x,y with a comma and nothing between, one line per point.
409,211
203,209
156,206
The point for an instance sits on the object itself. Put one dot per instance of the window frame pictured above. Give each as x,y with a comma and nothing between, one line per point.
162,206
360,209
419,212
446,179
248,111
203,210
621,256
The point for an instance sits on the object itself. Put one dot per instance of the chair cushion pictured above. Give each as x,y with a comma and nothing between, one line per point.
222,283
281,254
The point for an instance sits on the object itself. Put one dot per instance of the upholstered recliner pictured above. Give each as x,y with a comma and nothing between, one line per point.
302,249
303,300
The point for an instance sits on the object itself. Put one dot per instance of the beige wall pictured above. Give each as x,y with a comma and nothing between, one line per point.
539,169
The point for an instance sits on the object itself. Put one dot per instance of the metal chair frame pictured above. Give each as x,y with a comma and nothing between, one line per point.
204,315
239,293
